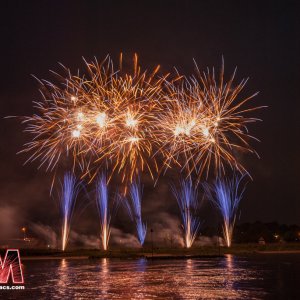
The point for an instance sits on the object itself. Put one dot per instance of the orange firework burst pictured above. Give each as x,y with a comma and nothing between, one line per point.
126,122
203,123
61,128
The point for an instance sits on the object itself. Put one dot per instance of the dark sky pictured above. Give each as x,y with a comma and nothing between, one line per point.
261,38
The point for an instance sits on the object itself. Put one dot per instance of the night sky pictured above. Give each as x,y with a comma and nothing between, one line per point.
261,38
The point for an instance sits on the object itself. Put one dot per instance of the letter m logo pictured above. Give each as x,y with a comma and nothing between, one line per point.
11,266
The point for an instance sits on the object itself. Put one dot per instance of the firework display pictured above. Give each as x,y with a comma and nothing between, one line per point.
138,121
134,208
226,195
103,209
67,200
187,199
203,124
130,122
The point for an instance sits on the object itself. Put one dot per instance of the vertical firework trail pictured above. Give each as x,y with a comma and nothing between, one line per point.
134,207
103,209
67,201
186,197
226,196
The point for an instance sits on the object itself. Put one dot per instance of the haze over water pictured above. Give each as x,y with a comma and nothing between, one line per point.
230,277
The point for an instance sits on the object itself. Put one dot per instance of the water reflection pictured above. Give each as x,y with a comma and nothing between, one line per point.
231,276
104,278
222,278
62,271
189,266
208,279
63,278
229,261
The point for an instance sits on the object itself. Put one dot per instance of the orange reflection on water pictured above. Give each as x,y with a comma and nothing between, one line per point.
207,278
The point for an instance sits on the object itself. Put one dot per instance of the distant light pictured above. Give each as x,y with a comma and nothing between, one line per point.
205,131
73,98
130,121
178,130
76,133
189,127
184,129
101,119
80,116
134,139
192,123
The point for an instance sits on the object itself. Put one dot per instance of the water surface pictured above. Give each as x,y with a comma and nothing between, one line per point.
259,277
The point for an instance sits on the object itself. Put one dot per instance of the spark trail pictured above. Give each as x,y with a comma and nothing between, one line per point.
226,195
68,197
134,206
187,199
103,209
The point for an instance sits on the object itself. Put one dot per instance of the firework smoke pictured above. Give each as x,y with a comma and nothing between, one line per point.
134,207
187,199
226,195
103,209
68,197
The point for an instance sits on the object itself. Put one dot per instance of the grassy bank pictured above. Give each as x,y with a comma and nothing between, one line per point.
238,249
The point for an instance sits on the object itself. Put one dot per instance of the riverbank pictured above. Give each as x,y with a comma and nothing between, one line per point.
160,253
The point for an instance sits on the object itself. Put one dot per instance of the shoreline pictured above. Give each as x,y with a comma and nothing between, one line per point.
156,256
159,252
279,252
